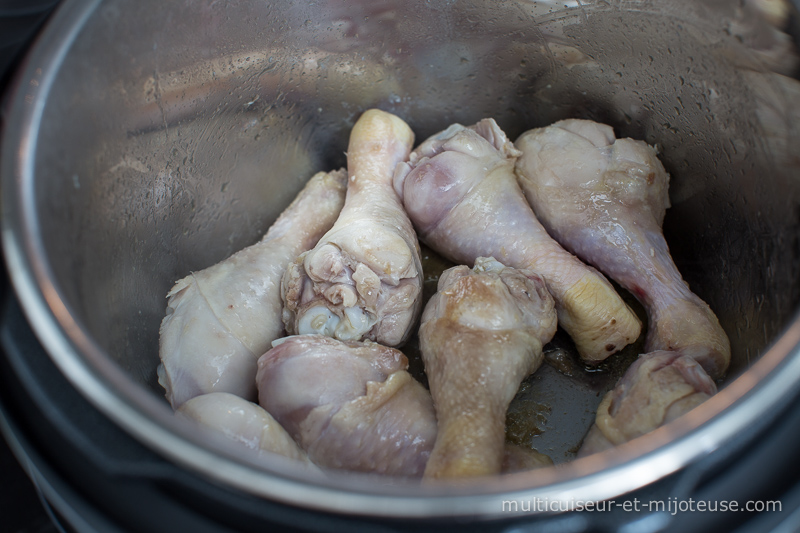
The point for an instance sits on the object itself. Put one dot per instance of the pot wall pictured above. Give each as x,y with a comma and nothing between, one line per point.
171,136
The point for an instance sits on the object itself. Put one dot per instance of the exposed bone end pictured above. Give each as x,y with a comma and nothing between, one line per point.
598,320
355,324
341,294
345,309
348,324
318,320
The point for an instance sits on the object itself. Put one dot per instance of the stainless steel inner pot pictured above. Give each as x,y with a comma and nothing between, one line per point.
148,139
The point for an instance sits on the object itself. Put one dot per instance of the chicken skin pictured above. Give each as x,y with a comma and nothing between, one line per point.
350,405
604,199
242,422
353,406
461,193
364,277
482,333
221,319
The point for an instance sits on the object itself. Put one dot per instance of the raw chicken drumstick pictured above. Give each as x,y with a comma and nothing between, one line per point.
221,319
364,277
243,422
482,333
460,191
350,405
353,406
604,199
657,388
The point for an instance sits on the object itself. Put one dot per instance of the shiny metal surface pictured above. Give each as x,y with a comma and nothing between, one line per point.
147,140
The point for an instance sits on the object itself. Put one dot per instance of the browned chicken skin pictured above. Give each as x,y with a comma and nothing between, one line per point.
481,335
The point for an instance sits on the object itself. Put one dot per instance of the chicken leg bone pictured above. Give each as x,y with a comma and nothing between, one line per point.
364,277
604,199
221,319
482,333
460,191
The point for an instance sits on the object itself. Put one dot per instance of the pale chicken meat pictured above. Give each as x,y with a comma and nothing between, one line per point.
221,319
482,333
245,423
350,405
460,191
657,388
605,199
364,277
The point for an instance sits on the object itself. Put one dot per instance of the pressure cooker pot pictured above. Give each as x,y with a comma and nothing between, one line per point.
148,140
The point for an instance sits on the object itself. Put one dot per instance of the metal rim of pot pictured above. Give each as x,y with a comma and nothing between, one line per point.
746,402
